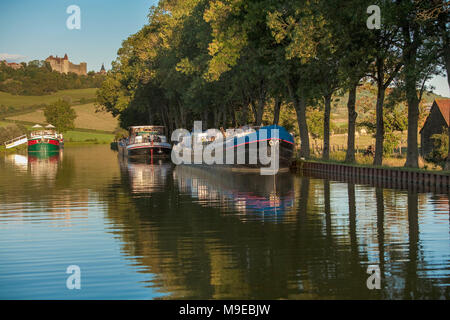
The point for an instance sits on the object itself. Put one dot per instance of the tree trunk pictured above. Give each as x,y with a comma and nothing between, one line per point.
351,107
216,118
173,115
255,113
260,108
300,108
412,154
182,116
205,118
150,115
326,128
224,117
259,120
244,115
165,120
379,135
446,43
409,61
276,111
447,163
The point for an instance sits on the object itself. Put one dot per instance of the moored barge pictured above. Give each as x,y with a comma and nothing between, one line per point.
145,142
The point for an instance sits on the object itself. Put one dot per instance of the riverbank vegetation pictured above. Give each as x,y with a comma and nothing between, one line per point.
11,130
36,78
91,125
15,105
228,62
88,117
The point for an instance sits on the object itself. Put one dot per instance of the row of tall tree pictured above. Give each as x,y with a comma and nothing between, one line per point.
223,60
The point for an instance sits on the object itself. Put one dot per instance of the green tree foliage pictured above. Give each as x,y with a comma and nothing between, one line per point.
228,62
36,78
441,146
61,115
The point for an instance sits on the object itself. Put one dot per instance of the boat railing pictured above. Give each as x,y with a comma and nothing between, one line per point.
140,139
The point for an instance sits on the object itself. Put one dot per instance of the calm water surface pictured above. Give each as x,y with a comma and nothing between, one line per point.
139,231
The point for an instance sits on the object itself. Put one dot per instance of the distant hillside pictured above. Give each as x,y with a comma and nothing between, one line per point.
14,105
87,118
37,78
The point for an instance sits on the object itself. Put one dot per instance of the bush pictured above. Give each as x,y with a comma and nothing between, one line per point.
120,133
391,141
441,145
61,115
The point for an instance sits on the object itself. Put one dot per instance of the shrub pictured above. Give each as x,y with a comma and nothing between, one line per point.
441,145
61,115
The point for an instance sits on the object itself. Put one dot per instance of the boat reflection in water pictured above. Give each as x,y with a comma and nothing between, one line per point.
203,233
249,194
39,165
145,177
44,165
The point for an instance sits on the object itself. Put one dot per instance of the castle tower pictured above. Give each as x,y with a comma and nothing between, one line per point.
102,70
63,65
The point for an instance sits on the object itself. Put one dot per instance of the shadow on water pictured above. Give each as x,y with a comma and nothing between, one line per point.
165,231
206,233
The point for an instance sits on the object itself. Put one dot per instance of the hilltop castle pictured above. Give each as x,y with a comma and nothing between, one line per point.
63,65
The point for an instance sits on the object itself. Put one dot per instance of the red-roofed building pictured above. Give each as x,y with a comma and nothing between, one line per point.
438,120
12,64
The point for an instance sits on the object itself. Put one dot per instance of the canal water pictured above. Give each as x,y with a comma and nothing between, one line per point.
141,231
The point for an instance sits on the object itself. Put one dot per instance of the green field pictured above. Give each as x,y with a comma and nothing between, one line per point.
91,126
87,118
75,95
76,137
26,112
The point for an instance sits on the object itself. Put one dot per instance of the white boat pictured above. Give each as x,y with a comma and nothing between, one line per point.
145,142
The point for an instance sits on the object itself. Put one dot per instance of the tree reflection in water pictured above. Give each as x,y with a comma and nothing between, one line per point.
208,234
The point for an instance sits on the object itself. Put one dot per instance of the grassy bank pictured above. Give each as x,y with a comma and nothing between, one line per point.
73,138
389,162
87,137
87,118
75,95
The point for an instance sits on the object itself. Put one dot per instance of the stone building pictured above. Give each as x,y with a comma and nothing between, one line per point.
12,64
102,70
63,65
438,119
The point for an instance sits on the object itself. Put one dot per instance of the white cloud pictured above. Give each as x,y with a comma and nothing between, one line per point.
11,57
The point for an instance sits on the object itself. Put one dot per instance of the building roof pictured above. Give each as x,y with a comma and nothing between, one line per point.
57,58
444,107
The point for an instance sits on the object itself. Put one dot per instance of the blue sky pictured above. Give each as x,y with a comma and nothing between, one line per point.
35,29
